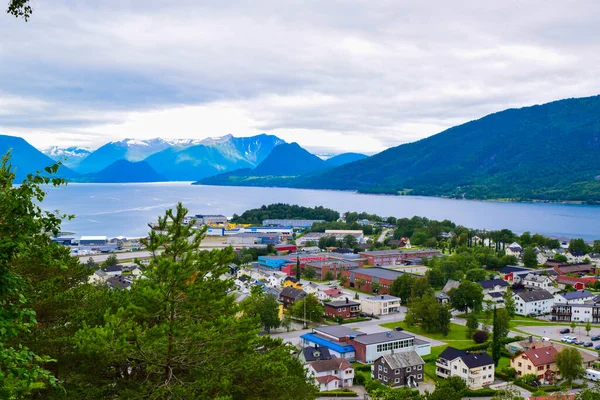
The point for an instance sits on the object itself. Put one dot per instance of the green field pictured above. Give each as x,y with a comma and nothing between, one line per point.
456,338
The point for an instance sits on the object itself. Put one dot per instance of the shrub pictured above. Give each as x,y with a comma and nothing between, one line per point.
510,372
363,368
359,379
481,336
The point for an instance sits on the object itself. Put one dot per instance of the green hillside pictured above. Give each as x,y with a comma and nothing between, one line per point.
544,152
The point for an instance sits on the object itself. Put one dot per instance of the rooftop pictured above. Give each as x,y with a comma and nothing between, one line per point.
94,238
403,359
382,337
382,273
577,295
314,353
341,303
472,360
333,363
490,284
542,355
338,331
383,297
535,295
321,341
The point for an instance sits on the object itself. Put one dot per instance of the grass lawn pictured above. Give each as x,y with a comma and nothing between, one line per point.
456,338
503,363
518,320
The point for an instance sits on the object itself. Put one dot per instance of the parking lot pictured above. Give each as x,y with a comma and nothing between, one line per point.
553,332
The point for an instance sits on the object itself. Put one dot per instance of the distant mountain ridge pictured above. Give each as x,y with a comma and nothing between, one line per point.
70,156
26,159
124,171
543,152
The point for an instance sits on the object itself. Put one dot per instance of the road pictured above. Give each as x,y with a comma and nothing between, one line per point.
130,255
383,235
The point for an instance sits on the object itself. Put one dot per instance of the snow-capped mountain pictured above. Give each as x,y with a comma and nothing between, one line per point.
184,159
70,156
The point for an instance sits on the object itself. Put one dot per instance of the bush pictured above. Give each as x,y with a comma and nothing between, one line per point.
363,368
481,336
510,372
478,347
359,379
486,392
339,393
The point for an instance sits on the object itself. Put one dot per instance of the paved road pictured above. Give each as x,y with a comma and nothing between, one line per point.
383,234
130,255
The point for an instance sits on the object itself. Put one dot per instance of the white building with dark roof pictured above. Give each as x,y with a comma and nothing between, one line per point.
476,369
380,305
534,302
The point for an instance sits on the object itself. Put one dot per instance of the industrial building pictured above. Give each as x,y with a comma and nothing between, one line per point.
205,219
391,257
291,223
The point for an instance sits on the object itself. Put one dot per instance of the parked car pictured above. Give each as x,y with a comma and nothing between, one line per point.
565,339
545,339
589,344
398,329
579,342
594,338
566,330
597,347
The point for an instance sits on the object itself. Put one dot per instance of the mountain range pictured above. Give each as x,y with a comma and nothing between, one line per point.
542,152
153,160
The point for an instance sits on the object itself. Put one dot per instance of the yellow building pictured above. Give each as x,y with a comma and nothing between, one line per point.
292,282
538,361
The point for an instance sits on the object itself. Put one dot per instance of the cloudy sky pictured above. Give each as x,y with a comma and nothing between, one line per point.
330,75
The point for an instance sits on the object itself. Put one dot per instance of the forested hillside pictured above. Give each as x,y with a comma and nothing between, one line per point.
285,211
542,152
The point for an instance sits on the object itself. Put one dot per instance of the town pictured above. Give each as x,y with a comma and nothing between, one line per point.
379,305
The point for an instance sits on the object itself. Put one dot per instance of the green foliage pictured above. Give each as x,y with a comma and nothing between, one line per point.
529,257
500,329
402,287
481,336
23,239
467,295
579,245
175,334
589,393
329,276
91,264
431,315
476,275
263,307
309,272
472,324
314,308
111,261
570,364
509,303
20,9
285,211
560,257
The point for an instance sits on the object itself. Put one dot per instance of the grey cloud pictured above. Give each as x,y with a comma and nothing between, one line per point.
389,65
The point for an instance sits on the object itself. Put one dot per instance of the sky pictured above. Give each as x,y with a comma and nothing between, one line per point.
333,76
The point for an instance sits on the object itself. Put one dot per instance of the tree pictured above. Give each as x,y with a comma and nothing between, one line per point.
23,227
435,277
429,313
573,326
176,334
309,272
20,9
589,393
570,364
472,324
350,241
468,295
476,274
530,257
402,287
596,246
500,329
314,308
298,271
343,279
375,286
264,307
578,245
509,303
588,327
420,287
91,264
111,261
329,276
481,336
560,257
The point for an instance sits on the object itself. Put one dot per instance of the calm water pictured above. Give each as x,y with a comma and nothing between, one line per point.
125,209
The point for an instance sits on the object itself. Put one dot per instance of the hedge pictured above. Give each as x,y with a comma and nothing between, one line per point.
362,368
340,393
486,392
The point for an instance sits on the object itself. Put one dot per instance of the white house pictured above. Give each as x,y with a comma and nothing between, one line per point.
575,257
476,369
514,249
380,305
275,278
534,281
494,285
578,297
534,302
113,270
331,374
98,277
311,287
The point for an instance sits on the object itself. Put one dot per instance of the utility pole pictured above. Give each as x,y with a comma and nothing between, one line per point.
305,323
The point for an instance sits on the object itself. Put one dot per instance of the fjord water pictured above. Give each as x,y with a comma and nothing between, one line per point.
126,209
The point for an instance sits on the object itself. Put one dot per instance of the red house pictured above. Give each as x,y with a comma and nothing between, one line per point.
342,308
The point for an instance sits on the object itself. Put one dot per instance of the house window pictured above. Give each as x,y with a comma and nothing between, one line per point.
408,369
464,370
397,371
385,378
385,370
420,367
397,380
419,376
520,365
455,367
380,367
379,376
529,367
